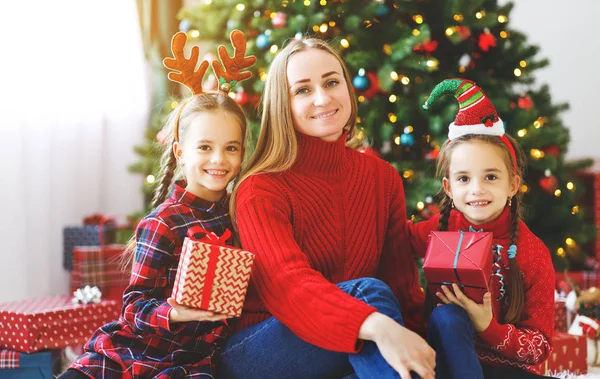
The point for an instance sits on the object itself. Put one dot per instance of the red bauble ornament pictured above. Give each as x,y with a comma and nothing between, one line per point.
525,102
428,47
242,98
463,31
279,20
551,150
549,184
374,89
433,154
486,41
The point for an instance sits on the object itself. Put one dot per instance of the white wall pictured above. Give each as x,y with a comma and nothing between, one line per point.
566,33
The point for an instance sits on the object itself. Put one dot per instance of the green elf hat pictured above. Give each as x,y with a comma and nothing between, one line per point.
476,114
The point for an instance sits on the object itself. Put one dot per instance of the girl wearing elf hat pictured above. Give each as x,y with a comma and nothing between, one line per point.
156,337
481,167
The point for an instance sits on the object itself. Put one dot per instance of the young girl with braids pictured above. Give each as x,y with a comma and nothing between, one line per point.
481,168
155,337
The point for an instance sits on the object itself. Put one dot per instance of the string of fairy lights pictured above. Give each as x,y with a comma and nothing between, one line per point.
487,39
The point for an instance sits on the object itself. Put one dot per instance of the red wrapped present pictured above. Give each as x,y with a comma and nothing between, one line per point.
464,258
211,275
96,230
100,266
52,322
561,323
568,354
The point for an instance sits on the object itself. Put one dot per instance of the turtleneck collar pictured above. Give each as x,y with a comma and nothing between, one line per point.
321,158
180,195
501,226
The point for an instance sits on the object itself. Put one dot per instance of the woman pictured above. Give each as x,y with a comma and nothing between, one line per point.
328,227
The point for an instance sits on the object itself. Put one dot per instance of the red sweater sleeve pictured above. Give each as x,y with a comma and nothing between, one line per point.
300,297
529,341
419,234
397,267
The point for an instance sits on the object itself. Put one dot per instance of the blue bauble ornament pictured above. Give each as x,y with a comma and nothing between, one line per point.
361,82
185,25
263,41
407,139
382,10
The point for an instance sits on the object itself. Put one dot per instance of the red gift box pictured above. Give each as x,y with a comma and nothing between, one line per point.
460,257
212,276
100,266
52,322
569,353
561,323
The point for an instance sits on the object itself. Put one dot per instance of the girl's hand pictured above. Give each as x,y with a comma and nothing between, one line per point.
402,349
480,314
181,313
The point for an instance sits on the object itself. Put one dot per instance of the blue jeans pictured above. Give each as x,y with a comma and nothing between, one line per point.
451,336
270,350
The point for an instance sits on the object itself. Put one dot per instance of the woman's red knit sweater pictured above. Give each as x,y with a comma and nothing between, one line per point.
336,215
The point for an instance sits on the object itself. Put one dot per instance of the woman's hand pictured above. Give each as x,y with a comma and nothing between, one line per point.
181,313
480,314
402,349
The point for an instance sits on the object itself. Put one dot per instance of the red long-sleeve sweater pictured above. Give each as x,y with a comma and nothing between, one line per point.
336,215
529,342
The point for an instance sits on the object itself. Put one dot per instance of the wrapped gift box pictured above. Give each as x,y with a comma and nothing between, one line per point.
85,235
460,257
100,266
51,322
569,353
561,321
16,365
212,277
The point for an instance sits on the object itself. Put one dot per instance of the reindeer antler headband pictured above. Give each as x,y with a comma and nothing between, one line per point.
228,74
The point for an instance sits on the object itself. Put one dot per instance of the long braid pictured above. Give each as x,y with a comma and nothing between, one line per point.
445,209
516,293
168,164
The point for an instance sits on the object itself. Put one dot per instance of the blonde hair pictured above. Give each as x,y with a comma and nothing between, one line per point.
277,145
180,118
515,288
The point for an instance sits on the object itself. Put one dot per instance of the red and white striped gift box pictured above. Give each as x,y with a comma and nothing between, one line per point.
52,322
212,277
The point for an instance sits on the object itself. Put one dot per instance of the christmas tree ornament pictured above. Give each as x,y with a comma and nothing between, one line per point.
382,11
428,47
486,40
525,102
279,20
373,88
361,83
242,97
476,113
185,25
549,184
463,32
407,139
232,24
263,41
552,150
465,60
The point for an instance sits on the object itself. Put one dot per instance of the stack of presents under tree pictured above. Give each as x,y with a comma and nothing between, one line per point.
40,338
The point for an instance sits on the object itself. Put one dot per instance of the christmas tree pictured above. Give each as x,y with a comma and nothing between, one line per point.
397,51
